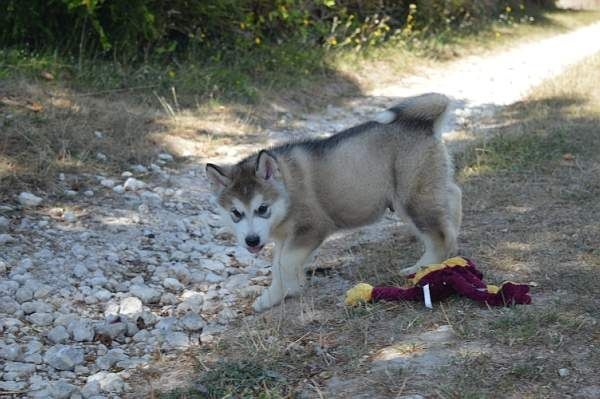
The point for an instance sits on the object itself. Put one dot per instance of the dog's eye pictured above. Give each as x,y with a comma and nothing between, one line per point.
236,215
263,210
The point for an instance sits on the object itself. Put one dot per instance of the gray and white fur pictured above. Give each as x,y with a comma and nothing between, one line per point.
300,193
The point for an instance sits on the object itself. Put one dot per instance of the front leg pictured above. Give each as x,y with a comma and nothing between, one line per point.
288,274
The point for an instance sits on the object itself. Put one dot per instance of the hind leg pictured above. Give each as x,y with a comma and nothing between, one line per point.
455,206
435,219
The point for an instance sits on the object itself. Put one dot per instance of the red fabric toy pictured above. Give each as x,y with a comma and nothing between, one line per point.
454,276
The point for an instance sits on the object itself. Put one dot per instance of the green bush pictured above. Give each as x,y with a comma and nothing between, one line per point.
138,29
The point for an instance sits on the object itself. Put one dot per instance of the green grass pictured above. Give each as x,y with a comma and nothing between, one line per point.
519,153
231,379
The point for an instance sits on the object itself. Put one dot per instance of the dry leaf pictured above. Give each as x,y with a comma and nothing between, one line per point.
568,157
9,101
47,75
34,106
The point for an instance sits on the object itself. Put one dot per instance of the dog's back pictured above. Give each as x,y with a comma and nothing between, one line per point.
351,178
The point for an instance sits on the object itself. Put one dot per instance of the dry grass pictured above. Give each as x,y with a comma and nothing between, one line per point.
530,214
48,129
57,134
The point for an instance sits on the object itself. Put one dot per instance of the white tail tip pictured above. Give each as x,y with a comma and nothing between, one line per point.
385,117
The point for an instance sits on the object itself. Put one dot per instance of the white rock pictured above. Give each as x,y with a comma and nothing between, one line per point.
176,340
58,335
151,198
108,183
166,324
168,299
109,382
113,330
251,291
81,330
4,223
183,274
564,372
70,193
10,324
145,293
36,307
149,318
37,382
11,386
101,157
98,134
34,358
24,294
103,295
192,322
69,217
88,193
33,346
18,371
10,351
207,337
212,265
110,359
226,315
27,264
63,319
155,168
29,200
126,174
192,302
173,284
139,168
61,389
92,388
41,319
63,357
131,307
133,184
81,370
118,189
214,278
165,157
237,281
6,238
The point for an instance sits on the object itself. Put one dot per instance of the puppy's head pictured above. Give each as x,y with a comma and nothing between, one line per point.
251,198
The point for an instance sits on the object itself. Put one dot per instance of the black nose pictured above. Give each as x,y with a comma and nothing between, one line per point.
252,241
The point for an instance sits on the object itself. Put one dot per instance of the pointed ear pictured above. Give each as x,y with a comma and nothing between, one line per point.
218,177
266,166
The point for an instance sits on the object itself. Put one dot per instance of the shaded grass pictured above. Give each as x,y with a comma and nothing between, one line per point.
231,379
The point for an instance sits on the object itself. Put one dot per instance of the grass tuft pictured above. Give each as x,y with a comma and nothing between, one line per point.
232,379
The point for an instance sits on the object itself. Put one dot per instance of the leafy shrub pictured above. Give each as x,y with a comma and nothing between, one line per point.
143,28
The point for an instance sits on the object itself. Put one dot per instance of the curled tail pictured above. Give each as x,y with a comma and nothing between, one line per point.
427,110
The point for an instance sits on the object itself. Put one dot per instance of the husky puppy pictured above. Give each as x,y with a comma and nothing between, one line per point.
299,193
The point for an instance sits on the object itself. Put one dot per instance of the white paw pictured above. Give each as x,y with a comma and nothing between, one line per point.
267,299
410,270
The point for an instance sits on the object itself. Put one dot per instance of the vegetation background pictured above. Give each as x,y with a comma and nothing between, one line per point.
224,47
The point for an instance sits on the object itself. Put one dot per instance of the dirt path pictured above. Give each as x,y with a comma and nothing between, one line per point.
137,269
477,83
